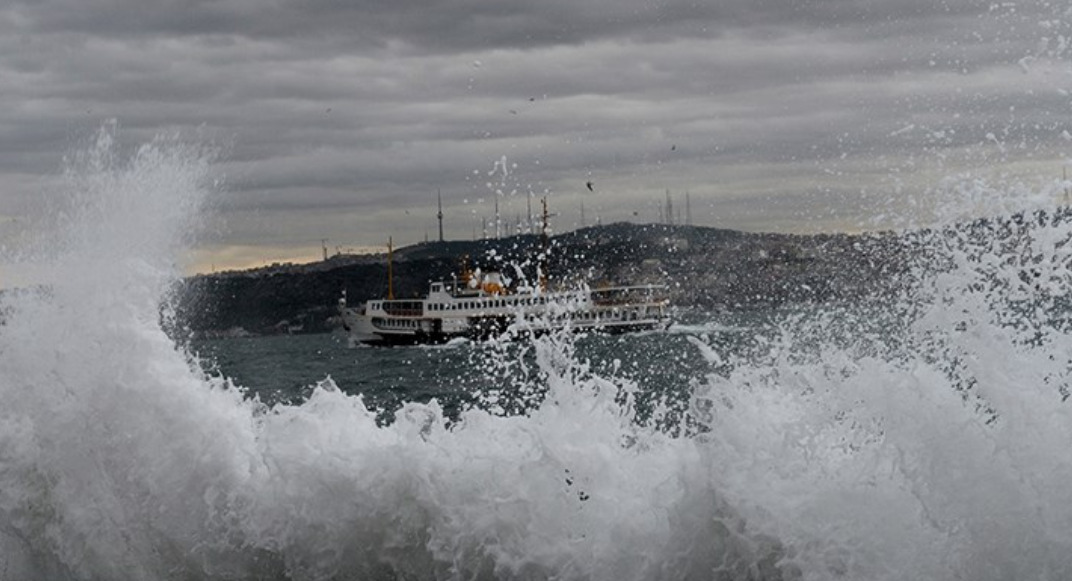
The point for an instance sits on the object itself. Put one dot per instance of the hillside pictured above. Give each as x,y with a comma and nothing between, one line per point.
705,267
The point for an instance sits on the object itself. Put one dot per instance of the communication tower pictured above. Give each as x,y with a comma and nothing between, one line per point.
439,196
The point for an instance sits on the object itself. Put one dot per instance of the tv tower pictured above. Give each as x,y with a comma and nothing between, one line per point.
439,196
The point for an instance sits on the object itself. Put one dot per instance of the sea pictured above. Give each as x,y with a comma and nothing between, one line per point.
926,434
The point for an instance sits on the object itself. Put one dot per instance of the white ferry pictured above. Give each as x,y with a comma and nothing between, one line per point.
480,306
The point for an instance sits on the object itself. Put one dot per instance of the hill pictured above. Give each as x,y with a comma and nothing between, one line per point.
705,267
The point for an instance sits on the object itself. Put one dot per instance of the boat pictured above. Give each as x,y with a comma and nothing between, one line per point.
479,306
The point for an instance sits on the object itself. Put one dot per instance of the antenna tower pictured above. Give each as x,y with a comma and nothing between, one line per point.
498,221
439,196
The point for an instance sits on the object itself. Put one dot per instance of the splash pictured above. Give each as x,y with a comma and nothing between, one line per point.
924,439
120,458
921,439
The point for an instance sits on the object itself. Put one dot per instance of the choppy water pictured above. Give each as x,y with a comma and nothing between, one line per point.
924,438
462,374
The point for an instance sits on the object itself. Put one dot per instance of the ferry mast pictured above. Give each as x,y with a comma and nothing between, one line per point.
390,270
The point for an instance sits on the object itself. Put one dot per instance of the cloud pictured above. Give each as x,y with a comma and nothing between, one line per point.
339,117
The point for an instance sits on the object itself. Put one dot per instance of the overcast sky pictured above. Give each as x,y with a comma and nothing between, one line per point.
340,119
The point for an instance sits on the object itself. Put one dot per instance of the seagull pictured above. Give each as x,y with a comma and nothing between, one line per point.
589,184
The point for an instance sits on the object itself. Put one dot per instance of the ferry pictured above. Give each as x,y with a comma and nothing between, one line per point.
479,306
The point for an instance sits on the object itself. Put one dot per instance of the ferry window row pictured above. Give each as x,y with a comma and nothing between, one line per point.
384,323
498,303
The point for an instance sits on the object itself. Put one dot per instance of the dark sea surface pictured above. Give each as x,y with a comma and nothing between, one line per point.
287,368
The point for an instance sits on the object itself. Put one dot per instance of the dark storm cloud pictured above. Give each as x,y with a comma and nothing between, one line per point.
453,24
349,114
465,25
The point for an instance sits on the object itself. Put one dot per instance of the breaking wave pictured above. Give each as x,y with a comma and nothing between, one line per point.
926,437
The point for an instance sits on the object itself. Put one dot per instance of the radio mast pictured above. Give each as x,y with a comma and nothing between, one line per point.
439,196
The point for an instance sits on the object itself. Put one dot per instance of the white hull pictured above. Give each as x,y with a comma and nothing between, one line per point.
443,316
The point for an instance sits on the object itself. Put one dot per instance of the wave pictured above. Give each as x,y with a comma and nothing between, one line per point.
922,439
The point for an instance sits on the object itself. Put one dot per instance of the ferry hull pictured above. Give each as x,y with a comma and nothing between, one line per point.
363,330
448,313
